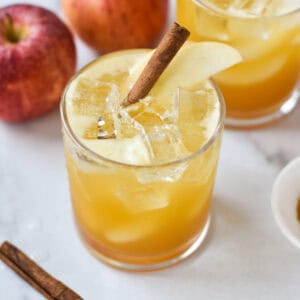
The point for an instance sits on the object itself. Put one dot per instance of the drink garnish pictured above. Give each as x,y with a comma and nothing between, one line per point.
162,56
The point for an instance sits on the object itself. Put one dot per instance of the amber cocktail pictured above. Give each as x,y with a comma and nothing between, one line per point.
142,198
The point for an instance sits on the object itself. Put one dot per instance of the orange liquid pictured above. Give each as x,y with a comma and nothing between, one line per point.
116,215
271,57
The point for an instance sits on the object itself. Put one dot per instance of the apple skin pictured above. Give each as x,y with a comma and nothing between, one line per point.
110,25
34,70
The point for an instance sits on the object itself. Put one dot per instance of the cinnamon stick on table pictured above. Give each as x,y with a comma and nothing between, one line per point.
38,278
162,56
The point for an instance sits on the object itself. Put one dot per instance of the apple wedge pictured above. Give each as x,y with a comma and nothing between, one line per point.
193,63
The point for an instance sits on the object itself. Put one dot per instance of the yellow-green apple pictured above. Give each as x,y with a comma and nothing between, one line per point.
109,25
37,58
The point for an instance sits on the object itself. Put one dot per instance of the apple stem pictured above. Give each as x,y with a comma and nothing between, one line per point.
12,35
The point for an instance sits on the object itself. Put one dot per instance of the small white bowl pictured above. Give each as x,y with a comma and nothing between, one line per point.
285,195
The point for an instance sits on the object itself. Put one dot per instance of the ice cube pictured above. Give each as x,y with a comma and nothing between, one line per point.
131,231
127,127
272,7
153,112
87,101
90,97
258,36
147,113
142,197
254,8
211,25
198,116
118,79
156,122
166,143
170,173
253,48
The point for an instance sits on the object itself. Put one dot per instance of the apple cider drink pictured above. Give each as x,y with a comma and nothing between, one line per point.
141,197
267,34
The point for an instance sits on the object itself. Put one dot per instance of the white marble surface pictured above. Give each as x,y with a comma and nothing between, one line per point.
244,257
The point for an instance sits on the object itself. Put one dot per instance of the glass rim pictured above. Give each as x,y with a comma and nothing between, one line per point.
66,126
215,10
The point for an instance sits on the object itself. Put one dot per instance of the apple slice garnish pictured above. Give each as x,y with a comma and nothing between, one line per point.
194,62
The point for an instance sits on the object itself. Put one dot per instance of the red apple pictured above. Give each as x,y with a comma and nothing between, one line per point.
109,25
37,58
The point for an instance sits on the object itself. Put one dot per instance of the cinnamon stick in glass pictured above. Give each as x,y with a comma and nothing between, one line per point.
162,56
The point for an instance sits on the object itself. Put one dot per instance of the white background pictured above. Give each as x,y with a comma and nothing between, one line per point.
244,256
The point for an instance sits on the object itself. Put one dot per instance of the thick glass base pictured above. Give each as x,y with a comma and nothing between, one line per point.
156,266
248,123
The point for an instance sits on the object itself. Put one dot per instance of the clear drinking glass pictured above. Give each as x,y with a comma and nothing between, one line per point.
141,217
263,87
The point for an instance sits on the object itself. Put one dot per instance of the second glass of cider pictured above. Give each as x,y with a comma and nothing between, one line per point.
263,87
